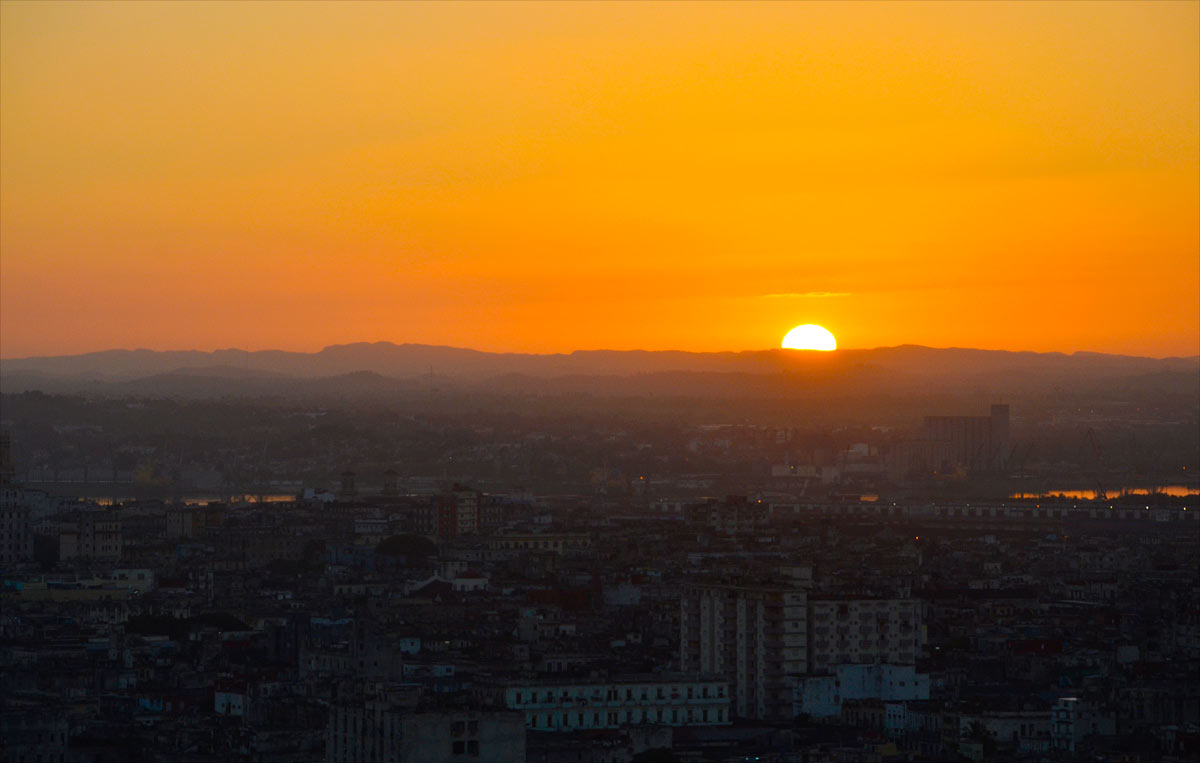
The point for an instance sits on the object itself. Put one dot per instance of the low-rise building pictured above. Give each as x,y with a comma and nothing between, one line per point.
582,705
823,696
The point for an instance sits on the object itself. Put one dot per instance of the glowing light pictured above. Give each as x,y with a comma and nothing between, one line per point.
809,337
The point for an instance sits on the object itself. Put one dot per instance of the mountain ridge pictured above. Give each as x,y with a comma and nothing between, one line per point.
413,359
384,368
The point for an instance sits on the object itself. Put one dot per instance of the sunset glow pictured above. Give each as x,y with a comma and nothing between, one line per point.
547,177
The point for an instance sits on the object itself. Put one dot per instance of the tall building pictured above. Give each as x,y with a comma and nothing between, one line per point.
16,535
978,443
7,474
753,636
16,532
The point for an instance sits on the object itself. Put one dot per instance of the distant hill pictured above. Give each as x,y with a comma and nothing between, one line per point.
383,367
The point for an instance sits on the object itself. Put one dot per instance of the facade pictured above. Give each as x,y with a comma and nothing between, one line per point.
823,696
91,535
847,631
16,535
31,734
736,515
753,636
979,443
464,735
449,516
589,705
466,514
1074,720
383,729
16,517
557,542
186,522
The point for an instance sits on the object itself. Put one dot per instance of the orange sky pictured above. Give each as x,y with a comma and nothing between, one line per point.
547,177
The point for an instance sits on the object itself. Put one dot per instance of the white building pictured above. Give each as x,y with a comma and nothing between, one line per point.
753,636
822,696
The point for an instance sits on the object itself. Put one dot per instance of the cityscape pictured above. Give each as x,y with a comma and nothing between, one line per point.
438,575
599,382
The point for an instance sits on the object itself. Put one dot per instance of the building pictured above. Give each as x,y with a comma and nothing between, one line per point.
823,696
847,631
30,733
582,705
753,636
386,725
90,535
556,542
977,443
736,515
448,516
1074,720
186,522
16,534
16,517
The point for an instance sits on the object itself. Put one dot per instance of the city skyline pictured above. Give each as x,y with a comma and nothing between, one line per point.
550,177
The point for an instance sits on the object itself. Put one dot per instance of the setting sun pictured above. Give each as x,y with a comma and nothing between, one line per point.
809,337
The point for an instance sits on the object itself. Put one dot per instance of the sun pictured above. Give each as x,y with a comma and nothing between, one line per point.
809,337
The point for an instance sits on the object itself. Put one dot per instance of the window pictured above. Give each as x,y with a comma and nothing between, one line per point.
458,747
473,747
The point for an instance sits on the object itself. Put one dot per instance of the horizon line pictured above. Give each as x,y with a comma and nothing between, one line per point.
391,343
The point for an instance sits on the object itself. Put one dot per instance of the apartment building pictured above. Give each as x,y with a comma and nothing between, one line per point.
378,728
753,636
845,631
16,534
94,535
